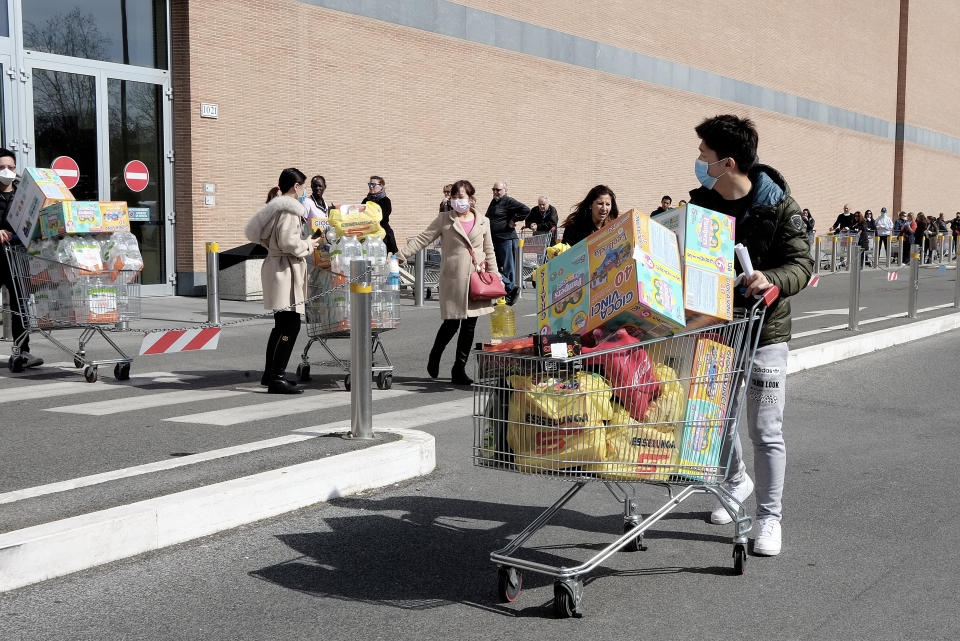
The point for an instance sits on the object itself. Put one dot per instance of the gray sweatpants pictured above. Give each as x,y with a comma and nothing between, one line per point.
766,397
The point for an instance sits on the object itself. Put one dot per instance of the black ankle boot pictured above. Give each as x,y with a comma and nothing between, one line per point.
458,376
280,385
433,365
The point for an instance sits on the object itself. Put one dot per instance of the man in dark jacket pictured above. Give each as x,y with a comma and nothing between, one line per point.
665,203
504,212
543,219
8,188
769,223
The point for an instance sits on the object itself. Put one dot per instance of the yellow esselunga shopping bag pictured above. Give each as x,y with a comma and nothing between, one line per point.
558,423
646,451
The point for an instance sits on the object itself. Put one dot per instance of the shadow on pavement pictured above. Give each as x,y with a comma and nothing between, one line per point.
418,553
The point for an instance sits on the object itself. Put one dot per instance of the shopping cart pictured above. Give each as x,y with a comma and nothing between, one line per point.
328,317
533,253
431,271
656,411
55,296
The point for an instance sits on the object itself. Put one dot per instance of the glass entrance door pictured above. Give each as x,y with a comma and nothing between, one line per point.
65,124
136,141
115,130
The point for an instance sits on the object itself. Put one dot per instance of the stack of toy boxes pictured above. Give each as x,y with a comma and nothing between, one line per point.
706,240
624,275
707,402
38,188
92,292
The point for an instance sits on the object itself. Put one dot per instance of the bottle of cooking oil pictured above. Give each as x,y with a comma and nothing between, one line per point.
503,323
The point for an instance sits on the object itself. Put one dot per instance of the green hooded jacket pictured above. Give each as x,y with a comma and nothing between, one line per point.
775,234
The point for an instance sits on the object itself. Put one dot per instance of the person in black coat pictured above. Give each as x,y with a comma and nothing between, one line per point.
590,214
504,212
378,194
543,219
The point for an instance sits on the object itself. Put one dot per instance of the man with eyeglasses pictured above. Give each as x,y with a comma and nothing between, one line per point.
8,188
504,211
445,203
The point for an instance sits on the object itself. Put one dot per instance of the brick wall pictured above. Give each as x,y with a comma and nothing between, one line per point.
349,96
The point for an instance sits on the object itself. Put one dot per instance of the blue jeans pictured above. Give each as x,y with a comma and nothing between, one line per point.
505,250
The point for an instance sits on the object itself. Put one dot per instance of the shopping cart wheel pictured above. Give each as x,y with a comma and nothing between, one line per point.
509,584
77,362
739,558
303,372
121,371
17,364
635,544
428,293
346,382
566,598
90,373
384,380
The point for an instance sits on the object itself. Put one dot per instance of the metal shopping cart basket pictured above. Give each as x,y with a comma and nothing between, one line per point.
431,271
55,296
656,411
533,253
328,317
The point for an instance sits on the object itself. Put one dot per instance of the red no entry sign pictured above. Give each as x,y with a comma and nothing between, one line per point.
136,175
68,170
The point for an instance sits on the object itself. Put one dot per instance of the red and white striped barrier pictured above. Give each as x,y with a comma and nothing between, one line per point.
180,340
814,280
892,275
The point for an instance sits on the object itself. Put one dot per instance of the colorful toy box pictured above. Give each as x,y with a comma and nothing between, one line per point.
83,217
39,188
562,295
707,401
635,276
706,240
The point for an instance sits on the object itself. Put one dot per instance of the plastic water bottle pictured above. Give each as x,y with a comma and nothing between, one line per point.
336,256
351,251
376,252
393,273
503,323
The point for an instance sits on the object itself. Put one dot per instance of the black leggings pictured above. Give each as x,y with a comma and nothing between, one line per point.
286,326
449,327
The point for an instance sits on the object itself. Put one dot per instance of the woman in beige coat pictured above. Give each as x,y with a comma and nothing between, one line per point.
277,226
456,228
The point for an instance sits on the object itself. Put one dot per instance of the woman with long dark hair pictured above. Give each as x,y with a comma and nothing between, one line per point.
466,243
284,273
590,214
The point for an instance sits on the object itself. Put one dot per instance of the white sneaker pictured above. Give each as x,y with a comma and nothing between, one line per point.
768,541
740,491
32,361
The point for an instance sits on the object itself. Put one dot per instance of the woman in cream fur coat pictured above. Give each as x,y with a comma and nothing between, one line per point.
277,227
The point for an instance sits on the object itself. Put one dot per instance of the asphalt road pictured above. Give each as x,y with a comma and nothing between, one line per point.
870,536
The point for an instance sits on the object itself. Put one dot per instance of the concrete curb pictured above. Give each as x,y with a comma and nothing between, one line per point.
816,355
61,547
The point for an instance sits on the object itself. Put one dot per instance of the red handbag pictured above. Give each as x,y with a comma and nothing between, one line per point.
484,285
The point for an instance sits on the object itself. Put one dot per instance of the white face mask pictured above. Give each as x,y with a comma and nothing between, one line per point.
7,176
460,205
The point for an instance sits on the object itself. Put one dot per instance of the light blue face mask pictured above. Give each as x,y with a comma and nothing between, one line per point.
303,196
701,167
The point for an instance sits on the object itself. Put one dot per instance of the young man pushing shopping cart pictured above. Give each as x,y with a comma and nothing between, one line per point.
770,225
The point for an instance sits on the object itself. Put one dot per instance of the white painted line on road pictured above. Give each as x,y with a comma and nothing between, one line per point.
815,355
163,377
54,549
147,468
404,419
145,401
44,390
822,330
286,407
